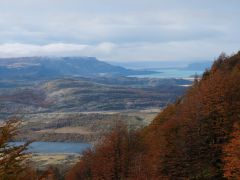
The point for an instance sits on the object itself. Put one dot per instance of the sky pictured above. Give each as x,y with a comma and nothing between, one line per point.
120,30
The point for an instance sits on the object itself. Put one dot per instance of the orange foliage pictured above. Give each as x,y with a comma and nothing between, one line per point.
12,158
185,141
232,155
116,157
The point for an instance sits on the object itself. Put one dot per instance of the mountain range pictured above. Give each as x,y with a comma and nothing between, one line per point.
52,67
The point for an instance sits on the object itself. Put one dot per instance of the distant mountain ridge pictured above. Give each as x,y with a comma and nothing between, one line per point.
41,67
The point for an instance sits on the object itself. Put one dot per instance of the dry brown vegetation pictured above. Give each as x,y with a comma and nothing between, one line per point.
14,161
195,138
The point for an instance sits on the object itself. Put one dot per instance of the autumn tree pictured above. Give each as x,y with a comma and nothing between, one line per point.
12,158
231,155
116,157
187,140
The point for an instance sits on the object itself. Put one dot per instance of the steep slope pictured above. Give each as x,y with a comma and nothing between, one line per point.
191,139
188,137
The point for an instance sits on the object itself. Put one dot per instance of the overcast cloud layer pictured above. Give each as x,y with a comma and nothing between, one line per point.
126,30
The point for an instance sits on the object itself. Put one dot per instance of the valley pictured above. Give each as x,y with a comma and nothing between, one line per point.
83,109
69,108
119,90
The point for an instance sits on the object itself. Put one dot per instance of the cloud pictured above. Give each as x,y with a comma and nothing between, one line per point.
123,30
57,49
167,51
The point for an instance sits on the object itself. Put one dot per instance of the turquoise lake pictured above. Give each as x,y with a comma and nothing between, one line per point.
171,73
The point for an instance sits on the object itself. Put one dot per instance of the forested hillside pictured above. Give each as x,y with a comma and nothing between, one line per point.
195,138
